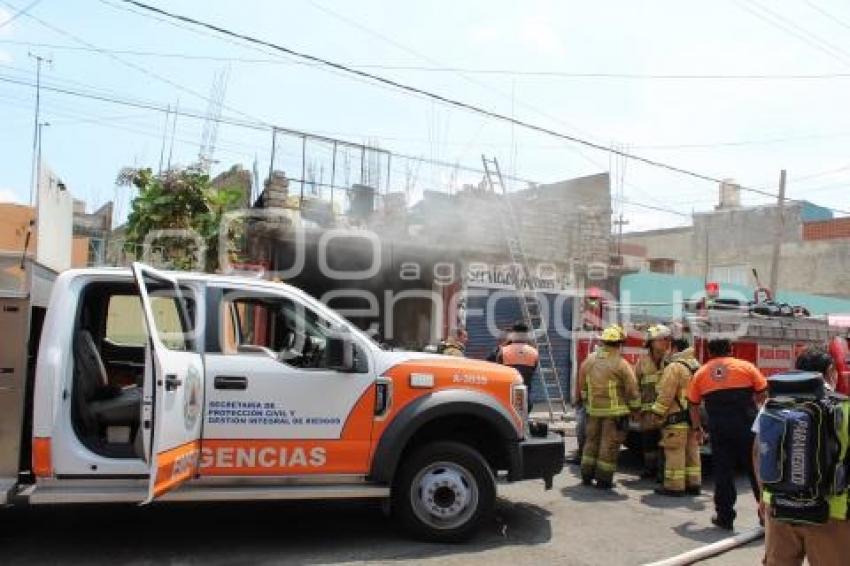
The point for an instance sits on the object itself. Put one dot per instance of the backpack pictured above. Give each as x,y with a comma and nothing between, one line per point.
803,460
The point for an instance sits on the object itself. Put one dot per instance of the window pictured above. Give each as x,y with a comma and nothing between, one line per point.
125,321
662,265
276,326
733,274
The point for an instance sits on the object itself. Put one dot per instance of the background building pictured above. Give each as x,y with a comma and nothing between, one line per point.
726,244
61,236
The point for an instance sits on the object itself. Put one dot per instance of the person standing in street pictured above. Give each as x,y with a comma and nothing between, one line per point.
648,371
520,355
682,466
732,389
789,542
609,394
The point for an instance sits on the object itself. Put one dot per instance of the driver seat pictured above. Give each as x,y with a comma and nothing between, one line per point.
101,402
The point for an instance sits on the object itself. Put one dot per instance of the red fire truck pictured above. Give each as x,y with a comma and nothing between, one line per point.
772,343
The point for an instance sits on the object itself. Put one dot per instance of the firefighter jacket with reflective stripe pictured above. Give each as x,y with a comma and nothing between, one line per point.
610,387
673,386
648,374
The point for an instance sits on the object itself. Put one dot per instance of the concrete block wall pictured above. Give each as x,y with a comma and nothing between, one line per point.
811,262
739,227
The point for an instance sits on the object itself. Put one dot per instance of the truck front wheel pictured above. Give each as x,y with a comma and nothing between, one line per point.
443,492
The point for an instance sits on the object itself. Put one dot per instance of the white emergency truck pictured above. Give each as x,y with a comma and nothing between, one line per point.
138,385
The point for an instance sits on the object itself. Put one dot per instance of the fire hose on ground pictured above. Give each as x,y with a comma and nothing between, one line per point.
713,549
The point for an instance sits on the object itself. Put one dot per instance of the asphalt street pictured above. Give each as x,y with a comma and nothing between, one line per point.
570,524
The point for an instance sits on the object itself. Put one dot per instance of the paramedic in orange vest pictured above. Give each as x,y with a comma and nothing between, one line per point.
521,356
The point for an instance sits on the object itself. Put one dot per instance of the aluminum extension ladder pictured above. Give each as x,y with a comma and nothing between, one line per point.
528,298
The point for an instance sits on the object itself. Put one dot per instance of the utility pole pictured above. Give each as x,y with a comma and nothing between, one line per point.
173,133
620,222
706,252
164,138
36,218
38,158
35,134
777,241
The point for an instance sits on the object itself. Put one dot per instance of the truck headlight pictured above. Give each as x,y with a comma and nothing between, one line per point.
519,399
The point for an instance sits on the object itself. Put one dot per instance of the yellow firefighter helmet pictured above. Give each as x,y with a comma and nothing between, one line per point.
614,333
658,332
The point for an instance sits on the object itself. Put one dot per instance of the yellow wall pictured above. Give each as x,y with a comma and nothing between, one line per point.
14,224
80,251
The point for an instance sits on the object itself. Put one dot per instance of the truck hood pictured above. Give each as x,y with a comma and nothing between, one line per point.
386,360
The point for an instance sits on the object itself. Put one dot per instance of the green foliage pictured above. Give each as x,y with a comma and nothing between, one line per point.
179,200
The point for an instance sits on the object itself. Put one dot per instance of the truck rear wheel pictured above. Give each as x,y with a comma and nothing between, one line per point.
443,492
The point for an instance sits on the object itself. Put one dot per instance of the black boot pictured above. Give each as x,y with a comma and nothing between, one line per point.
725,524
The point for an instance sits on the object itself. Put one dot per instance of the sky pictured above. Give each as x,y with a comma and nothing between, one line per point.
744,129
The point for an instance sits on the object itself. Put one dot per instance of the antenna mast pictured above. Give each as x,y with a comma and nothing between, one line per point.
213,119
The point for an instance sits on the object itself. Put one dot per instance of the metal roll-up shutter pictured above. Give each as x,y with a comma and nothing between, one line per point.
506,311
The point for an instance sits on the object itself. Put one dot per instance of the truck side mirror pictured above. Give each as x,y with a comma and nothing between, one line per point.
340,353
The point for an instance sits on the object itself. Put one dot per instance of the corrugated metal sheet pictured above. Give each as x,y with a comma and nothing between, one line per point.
505,312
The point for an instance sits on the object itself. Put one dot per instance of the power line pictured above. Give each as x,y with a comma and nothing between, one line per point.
630,202
445,164
258,126
433,96
130,64
430,60
444,69
835,19
698,145
239,44
262,127
704,145
464,76
791,28
230,36
22,12
420,92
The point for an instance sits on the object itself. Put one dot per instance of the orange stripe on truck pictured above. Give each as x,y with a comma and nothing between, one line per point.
42,464
176,465
270,457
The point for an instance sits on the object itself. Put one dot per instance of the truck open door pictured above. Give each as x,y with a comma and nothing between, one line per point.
174,388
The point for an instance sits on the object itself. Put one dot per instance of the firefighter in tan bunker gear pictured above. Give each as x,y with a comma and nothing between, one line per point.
609,394
682,467
648,371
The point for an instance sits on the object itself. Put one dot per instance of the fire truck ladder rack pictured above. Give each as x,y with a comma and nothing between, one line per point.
528,299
